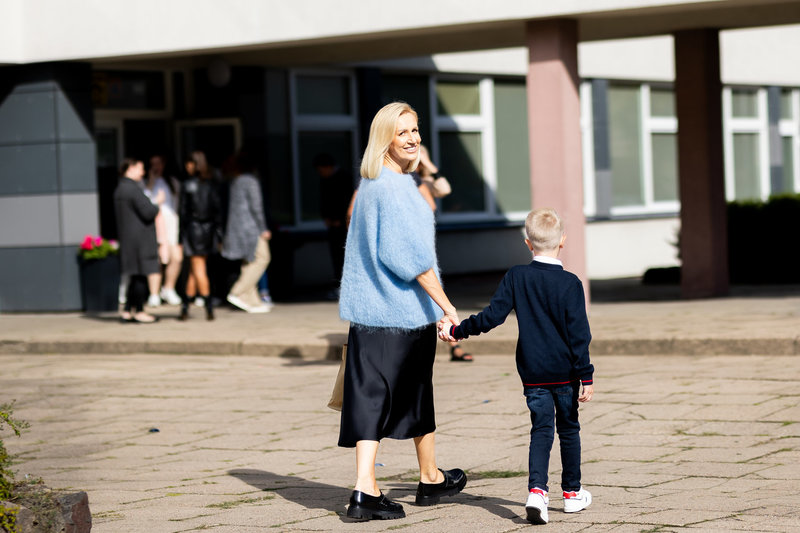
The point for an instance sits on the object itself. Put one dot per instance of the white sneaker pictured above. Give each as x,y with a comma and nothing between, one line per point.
577,501
236,301
154,300
260,309
200,301
170,296
536,506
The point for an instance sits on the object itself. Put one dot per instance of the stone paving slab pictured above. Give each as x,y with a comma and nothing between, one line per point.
246,443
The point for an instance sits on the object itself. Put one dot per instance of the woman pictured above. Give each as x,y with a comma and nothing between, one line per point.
136,216
201,229
392,296
246,236
169,249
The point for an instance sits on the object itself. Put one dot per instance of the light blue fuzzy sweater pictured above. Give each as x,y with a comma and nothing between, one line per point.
391,240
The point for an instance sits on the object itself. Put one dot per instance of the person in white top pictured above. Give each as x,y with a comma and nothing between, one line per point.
170,251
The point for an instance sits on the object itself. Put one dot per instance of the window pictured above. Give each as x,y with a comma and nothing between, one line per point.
513,194
464,147
624,118
745,143
323,121
642,140
789,128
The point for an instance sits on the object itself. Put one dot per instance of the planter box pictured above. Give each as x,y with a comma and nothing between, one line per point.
100,284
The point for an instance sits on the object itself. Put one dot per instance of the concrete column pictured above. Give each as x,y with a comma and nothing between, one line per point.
555,132
698,96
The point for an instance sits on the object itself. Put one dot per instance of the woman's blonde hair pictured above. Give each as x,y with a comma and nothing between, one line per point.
381,134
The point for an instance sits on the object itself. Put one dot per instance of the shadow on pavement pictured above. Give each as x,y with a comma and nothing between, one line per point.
332,498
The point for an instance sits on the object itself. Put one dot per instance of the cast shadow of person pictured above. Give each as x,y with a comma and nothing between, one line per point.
333,498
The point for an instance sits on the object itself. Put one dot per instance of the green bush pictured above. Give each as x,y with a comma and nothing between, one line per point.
762,239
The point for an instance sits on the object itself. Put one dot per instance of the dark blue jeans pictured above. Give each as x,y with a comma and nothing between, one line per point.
554,408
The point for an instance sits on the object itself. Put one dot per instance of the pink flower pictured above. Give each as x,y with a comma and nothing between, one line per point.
114,244
87,243
98,241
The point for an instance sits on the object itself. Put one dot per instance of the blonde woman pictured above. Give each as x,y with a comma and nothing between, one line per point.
392,296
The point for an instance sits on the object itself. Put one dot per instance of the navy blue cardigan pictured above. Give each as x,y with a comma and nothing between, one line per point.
553,341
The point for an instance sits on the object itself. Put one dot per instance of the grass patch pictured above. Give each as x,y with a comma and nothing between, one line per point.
497,474
236,503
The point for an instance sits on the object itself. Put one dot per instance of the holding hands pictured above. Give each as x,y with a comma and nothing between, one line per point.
444,324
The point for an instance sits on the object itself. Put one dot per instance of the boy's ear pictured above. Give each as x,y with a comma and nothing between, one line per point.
529,244
563,238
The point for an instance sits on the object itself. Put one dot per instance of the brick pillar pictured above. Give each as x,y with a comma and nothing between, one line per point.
555,132
698,96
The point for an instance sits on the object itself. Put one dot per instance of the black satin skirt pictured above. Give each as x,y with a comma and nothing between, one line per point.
388,384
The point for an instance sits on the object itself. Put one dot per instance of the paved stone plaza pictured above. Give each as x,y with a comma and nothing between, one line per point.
245,443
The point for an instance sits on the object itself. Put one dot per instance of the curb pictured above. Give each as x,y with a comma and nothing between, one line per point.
332,350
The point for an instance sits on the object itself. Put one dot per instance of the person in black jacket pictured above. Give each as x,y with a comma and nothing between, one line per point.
201,229
136,216
552,356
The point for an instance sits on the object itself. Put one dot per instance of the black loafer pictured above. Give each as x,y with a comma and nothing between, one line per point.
429,493
367,507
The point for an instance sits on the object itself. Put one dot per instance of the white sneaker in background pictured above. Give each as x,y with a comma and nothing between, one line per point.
170,296
200,301
236,301
577,501
536,506
154,300
260,309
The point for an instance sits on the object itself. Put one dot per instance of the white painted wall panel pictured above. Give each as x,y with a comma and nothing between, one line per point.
622,249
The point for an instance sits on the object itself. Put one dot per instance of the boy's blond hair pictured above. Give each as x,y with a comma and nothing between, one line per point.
381,133
544,229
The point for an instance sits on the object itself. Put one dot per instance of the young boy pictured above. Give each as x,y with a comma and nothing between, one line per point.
552,356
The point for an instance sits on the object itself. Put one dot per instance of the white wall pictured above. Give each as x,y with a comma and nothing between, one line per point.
762,56
10,30
622,249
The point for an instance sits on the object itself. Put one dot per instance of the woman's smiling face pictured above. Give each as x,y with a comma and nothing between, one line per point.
404,149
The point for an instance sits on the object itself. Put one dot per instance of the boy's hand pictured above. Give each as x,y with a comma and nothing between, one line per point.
443,327
586,393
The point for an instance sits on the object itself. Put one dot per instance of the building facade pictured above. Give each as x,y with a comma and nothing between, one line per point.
70,109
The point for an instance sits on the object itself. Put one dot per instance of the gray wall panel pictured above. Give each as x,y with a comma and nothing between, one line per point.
28,118
70,125
39,279
77,167
79,217
29,221
28,169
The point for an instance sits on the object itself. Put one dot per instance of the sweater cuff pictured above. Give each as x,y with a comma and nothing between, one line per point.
455,332
587,381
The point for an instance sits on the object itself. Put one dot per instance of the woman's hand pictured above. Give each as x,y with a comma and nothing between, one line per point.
443,327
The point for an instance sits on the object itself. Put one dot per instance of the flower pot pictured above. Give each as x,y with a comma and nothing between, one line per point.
100,284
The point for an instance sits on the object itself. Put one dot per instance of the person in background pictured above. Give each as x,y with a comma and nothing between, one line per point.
169,249
335,190
138,248
200,219
392,296
246,236
424,177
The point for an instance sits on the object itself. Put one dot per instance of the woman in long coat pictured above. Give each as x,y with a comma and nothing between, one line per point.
136,216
